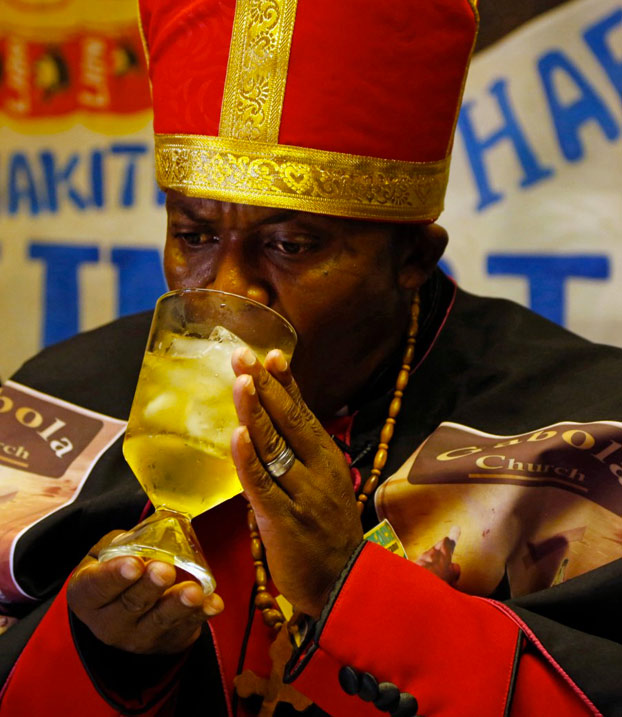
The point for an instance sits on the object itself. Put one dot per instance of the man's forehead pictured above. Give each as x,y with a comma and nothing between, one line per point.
201,209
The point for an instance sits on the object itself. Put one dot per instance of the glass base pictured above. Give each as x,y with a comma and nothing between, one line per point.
167,536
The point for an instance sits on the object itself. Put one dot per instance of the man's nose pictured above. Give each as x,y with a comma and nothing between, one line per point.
236,274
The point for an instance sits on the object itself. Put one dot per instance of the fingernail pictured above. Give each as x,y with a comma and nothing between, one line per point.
212,605
249,385
130,571
247,357
280,361
159,575
244,434
188,598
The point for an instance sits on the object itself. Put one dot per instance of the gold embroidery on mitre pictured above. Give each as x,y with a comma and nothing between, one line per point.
257,69
310,180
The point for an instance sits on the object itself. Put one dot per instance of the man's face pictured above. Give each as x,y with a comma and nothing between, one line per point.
345,285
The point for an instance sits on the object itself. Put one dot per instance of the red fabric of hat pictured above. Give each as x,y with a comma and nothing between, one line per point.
344,108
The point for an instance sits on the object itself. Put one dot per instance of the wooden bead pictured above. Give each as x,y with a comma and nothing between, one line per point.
261,576
387,432
256,549
272,617
264,601
395,406
370,485
381,459
402,380
250,520
409,354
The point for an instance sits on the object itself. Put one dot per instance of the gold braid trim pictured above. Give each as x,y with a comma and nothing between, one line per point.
310,180
257,70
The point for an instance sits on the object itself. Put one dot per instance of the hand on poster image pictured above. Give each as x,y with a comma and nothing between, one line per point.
438,559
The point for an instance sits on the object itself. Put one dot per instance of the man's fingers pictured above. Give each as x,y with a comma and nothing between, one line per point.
293,420
258,485
179,606
268,442
104,542
213,605
175,621
141,596
96,584
277,365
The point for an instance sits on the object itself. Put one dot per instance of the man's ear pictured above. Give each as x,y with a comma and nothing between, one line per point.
422,247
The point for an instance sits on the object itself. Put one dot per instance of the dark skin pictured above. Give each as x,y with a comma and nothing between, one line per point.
346,286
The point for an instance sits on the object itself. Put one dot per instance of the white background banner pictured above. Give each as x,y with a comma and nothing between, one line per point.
534,206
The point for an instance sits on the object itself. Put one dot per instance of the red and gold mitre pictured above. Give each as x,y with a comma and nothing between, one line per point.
340,107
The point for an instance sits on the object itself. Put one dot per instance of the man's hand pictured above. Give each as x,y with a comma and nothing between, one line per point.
136,606
307,518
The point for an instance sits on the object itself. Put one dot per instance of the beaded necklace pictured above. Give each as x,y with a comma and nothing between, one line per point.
264,601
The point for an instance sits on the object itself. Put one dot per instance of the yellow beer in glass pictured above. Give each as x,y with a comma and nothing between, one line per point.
178,435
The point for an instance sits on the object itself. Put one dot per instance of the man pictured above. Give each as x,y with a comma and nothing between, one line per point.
491,431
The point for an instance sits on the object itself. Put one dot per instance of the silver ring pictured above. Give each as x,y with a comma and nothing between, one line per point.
281,464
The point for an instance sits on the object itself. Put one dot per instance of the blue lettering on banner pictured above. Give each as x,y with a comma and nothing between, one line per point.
160,196
21,185
141,279
132,152
568,119
97,178
59,180
140,283
61,308
509,131
547,276
47,182
596,38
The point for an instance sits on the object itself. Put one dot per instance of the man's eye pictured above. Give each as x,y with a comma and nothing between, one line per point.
293,246
196,238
